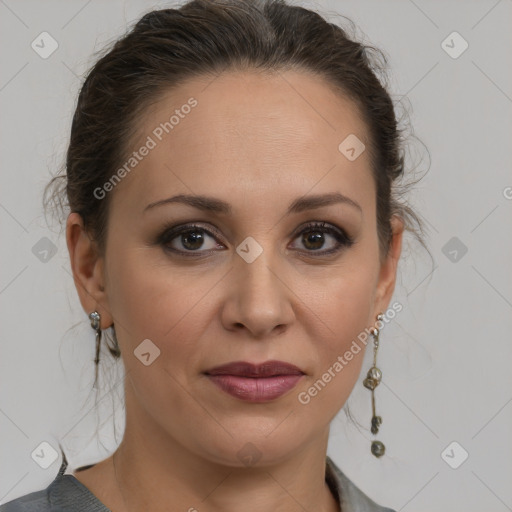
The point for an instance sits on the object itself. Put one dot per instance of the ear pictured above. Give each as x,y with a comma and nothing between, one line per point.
87,269
387,275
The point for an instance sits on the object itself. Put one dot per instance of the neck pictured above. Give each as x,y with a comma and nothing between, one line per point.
149,478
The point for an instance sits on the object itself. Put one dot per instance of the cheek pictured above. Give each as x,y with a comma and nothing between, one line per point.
165,304
342,310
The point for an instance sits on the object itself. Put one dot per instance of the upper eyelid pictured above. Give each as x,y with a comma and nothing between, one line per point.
187,226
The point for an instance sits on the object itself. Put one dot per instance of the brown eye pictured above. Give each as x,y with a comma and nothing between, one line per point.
188,238
313,239
192,240
315,236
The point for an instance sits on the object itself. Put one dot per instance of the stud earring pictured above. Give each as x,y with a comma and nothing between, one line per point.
373,379
95,324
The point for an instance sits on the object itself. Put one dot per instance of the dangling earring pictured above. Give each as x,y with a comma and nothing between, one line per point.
95,324
373,378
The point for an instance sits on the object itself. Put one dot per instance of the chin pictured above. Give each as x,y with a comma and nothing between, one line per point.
253,446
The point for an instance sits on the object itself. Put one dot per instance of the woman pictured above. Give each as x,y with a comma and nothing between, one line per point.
234,221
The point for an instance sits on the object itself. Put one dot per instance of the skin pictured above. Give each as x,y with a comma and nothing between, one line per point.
257,141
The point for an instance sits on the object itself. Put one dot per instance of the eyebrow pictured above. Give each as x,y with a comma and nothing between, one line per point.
214,205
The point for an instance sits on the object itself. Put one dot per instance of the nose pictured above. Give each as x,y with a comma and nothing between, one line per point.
259,298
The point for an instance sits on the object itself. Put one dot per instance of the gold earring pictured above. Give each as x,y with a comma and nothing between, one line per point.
373,379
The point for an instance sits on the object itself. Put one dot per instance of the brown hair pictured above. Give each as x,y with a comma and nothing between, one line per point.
204,37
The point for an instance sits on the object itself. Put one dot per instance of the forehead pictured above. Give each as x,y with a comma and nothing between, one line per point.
243,132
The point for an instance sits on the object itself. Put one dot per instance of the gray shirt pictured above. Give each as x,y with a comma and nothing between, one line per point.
67,494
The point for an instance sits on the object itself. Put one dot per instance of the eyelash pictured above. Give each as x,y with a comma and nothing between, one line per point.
171,232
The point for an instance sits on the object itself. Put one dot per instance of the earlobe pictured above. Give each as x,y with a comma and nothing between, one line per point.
87,269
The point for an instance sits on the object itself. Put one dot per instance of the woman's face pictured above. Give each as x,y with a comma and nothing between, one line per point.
244,284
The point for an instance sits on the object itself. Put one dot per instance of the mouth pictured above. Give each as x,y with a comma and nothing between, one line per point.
255,382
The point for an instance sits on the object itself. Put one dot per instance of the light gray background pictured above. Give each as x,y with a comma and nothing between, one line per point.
445,360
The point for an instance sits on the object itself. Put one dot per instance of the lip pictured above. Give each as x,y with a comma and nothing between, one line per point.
255,382
266,369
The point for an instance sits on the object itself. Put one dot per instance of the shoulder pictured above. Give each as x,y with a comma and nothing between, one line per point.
34,502
37,501
64,493
352,497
